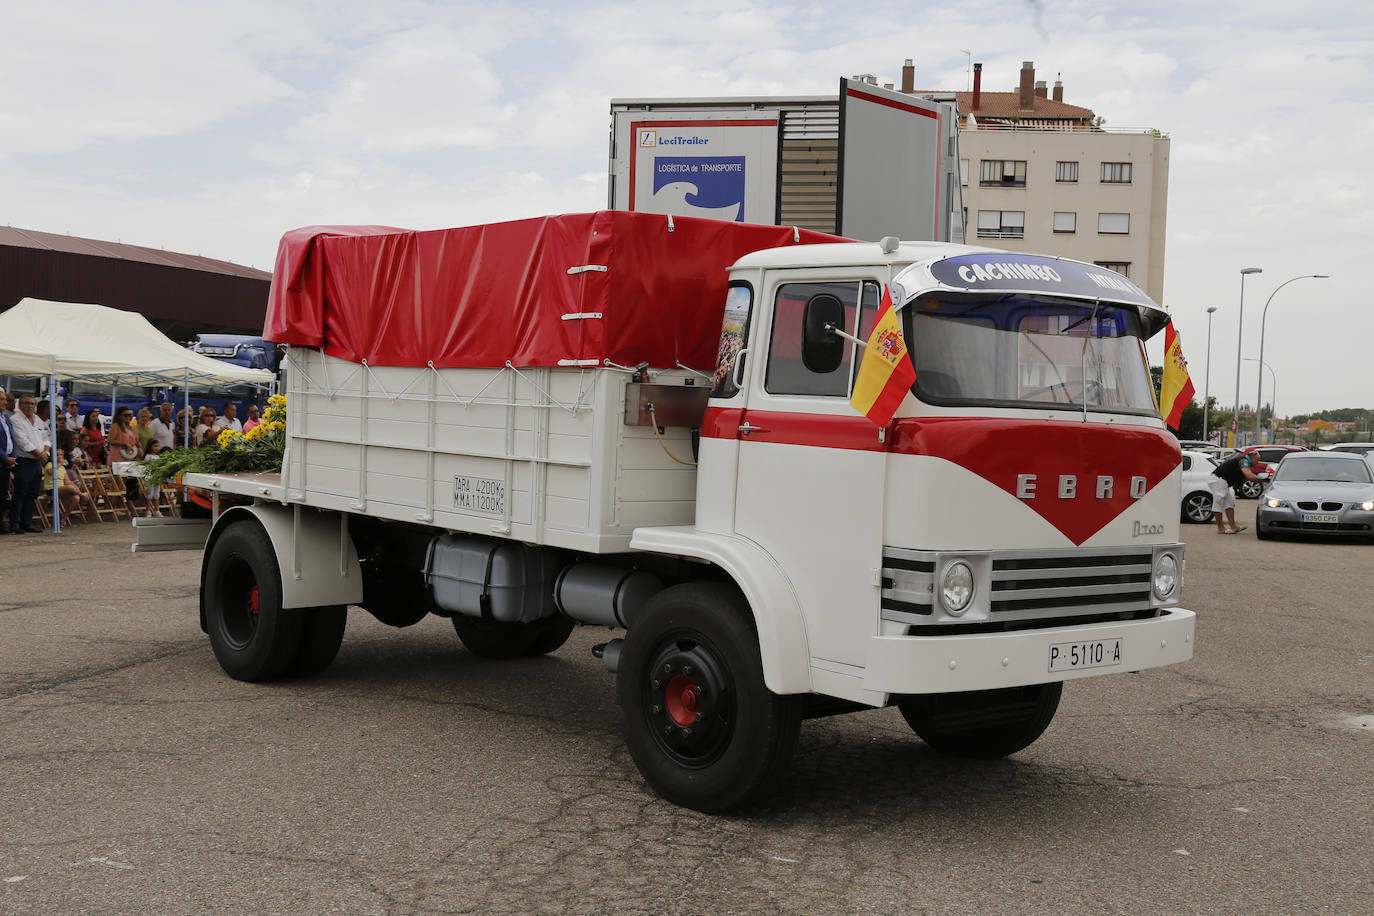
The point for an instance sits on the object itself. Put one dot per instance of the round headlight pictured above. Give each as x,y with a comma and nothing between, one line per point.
956,587
1272,503
1367,505
1166,575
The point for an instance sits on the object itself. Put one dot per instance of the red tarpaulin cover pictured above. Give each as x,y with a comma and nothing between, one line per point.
482,295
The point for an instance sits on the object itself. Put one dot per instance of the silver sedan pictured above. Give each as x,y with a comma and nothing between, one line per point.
1319,493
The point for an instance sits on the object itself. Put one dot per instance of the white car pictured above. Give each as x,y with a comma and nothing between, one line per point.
1197,496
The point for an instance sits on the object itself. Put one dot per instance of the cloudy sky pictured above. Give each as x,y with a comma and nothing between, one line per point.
213,128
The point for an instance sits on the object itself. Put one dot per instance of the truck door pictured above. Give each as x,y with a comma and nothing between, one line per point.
810,467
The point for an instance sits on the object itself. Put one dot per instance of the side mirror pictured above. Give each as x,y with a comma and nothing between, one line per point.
822,349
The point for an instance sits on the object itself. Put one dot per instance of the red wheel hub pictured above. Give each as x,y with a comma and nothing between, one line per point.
682,699
253,601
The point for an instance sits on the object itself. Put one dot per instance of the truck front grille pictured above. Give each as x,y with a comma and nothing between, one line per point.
1020,588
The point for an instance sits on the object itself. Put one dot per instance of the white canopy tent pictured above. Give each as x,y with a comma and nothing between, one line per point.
95,343
69,340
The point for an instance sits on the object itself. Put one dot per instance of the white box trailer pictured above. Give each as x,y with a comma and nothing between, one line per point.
591,420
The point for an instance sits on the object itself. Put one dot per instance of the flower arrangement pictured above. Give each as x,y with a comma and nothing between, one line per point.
259,449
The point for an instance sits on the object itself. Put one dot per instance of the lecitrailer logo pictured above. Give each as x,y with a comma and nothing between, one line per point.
648,139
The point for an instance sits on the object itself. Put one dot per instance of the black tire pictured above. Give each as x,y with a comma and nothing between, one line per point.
253,638
982,723
702,726
1263,533
1197,507
322,632
512,640
1251,489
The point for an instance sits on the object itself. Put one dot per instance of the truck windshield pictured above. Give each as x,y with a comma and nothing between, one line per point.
1020,350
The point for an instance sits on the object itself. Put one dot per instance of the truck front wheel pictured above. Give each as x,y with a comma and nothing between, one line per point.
982,723
253,638
702,726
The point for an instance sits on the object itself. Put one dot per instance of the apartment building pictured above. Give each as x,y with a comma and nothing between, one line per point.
1042,175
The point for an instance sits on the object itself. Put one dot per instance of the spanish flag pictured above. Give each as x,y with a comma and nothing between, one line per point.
1175,387
886,373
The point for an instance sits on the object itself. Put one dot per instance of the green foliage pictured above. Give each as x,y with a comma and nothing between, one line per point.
261,449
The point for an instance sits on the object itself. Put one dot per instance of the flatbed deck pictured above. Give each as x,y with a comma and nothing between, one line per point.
259,484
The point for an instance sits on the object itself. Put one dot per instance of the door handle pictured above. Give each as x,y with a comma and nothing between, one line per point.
746,428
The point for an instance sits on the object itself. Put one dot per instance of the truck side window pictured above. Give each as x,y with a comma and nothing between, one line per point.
787,374
734,331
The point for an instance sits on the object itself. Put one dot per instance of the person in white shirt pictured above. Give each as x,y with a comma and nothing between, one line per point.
73,415
229,419
164,427
28,472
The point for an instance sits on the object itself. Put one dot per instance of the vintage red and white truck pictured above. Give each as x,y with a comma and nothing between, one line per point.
644,423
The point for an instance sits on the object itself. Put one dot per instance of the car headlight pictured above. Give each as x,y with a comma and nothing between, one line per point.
1272,503
956,587
1367,505
1166,575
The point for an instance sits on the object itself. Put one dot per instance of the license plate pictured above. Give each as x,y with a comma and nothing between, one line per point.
1320,518
1096,653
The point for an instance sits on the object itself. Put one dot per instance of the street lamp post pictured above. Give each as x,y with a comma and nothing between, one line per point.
1259,381
1207,375
1240,326
1273,389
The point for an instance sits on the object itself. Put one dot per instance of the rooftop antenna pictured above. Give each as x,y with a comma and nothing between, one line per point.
968,70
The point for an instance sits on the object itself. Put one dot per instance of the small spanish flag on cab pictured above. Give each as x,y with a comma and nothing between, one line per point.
886,373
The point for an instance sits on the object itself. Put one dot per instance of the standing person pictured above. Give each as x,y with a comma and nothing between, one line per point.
206,431
43,412
122,445
144,429
95,448
254,420
73,415
11,407
1226,476
229,420
28,469
164,427
9,453
154,491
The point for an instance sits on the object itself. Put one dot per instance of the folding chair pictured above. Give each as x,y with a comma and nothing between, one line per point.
93,479
114,494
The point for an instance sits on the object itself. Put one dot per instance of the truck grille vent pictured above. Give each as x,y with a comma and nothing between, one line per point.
1029,588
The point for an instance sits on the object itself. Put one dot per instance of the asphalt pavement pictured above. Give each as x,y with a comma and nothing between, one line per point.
413,777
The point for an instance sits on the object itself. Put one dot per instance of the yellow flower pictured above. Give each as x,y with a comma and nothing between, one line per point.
277,400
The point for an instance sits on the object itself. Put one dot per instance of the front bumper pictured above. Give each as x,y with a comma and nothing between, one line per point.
982,661
1287,519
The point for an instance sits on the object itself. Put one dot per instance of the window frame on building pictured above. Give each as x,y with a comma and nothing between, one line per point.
1116,173
1004,229
1072,221
1102,231
999,168
963,173
1121,267
1063,174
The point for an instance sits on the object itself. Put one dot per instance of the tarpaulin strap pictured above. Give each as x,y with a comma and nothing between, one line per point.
467,402
298,366
599,268
680,365
372,375
419,375
617,366
796,236
579,362
576,316
552,400
670,223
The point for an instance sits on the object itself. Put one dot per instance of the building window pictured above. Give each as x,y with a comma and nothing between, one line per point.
1116,173
1066,171
1113,223
1121,267
1003,173
963,172
1001,224
1065,222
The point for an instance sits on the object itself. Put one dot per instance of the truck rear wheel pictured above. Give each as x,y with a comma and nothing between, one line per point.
982,723
702,726
253,638
493,639
322,631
